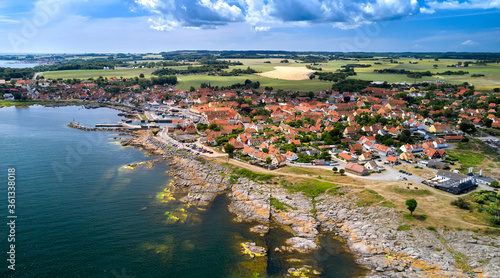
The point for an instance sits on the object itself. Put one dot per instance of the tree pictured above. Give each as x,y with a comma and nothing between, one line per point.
268,160
335,169
341,171
494,184
229,149
141,75
435,66
411,204
212,126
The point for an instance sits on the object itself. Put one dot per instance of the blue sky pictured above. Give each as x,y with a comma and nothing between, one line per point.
141,26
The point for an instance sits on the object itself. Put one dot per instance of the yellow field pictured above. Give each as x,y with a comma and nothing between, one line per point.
289,73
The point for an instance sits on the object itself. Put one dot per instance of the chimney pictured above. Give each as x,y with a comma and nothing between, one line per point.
481,173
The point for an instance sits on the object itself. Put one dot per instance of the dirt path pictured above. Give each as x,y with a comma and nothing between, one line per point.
261,170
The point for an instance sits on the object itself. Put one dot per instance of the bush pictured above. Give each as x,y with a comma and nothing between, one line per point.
431,228
404,228
461,203
495,184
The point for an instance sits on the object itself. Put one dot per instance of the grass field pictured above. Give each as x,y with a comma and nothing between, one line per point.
185,82
478,155
489,81
84,74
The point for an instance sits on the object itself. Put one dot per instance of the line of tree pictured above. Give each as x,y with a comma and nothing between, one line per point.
357,66
9,73
337,76
237,72
350,85
190,70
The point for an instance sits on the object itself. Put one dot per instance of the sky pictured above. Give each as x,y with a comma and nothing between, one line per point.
152,26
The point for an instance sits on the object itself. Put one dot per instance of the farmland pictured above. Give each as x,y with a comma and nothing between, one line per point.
83,74
273,72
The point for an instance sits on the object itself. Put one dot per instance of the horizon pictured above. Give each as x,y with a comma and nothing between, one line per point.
255,50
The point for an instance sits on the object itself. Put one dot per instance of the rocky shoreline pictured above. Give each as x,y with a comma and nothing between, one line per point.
371,233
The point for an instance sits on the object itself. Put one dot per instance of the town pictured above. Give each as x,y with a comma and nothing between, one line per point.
378,132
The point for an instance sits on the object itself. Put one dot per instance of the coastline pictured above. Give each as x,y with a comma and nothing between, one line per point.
370,233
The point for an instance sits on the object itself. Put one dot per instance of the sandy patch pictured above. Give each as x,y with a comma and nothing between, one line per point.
438,76
289,73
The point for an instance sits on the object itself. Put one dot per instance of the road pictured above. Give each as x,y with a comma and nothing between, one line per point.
165,138
36,75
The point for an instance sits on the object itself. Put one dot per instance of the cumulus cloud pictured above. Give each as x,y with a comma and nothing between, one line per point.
470,4
261,28
172,14
424,10
345,14
469,42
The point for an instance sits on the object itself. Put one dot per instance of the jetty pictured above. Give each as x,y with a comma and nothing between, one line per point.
120,126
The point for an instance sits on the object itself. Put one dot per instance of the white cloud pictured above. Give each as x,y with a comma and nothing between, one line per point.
343,14
262,28
470,4
469,42
424,10
4,19
222,8
151,4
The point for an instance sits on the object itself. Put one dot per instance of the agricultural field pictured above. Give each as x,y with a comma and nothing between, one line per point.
294,75
185,82
84,74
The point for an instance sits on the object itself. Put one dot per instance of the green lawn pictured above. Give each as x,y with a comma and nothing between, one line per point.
467,158
311,187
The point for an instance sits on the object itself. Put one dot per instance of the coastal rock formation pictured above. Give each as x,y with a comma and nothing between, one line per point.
372,234
250,201
253,250
260,229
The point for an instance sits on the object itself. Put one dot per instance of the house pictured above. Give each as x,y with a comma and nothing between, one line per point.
261,156
291,156
392,159
381,149
453,138
278,160
452,182
356,169
365,156
479,178
434,153
373,166
436,164
411,148
296,142
439,143
407,156
356,148
440,128
346,157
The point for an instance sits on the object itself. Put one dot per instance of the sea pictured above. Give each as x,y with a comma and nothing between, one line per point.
16,64
81,212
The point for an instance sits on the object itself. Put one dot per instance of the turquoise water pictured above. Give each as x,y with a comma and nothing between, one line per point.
82,214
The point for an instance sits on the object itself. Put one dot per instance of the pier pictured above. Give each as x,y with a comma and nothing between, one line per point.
121,127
